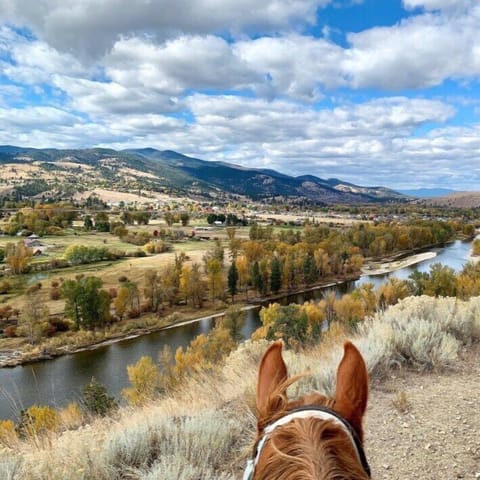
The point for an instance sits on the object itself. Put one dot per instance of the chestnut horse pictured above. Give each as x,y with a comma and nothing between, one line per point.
313,437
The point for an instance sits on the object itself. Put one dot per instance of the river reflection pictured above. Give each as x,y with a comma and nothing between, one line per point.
57,382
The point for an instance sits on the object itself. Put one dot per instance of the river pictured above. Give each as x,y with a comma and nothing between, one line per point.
59,381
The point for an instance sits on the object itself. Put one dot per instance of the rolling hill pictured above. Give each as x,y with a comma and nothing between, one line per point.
56,173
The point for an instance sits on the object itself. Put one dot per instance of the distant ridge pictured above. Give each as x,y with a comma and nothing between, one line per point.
428,192
60,173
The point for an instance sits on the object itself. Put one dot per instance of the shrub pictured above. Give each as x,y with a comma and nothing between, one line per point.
38,420
71,416
96,399
60,324
5,287
10,331
54,293
8,434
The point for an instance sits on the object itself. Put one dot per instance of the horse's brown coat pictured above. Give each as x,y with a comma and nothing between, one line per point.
310,448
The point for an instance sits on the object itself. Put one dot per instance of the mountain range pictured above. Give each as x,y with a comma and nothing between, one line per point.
61,173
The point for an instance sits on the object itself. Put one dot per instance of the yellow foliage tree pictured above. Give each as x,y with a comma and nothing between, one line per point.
120,302
243,269
144,377
349,310
18,256
216,279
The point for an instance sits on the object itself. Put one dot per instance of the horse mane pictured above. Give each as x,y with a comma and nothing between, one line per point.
305,449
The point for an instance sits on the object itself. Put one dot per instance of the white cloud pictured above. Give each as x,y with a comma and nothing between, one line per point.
420,52
448,5
91,27
187,62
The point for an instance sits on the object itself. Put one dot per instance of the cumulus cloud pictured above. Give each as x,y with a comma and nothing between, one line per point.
187,62
90,28
420,52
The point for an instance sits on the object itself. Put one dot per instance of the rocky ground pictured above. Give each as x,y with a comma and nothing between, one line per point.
426,426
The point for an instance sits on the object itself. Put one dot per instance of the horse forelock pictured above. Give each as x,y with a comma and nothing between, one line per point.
309,449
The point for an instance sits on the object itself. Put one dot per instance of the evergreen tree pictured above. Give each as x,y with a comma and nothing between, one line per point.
232,280
96,400
257,280
310,270
275,275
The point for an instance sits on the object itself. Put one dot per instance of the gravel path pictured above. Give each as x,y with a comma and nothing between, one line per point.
426,426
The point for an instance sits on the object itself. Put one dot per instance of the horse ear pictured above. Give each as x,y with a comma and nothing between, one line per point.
272,373
352,387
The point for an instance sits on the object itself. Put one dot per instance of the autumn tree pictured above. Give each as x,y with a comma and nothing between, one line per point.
152,289
33,320
18,257
120,302
191,285
144,377
216,281
243,270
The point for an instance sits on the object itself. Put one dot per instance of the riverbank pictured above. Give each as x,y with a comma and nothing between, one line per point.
384,267
92,340
23,354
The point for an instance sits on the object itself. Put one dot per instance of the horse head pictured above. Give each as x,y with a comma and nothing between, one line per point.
313,437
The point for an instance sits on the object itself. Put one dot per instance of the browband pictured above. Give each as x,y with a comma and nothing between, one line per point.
309,411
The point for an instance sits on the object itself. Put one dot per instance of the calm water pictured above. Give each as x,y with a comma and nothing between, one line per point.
57,382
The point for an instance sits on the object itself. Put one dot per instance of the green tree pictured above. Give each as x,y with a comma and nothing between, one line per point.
257,279
310,270
96,399
184,218
102,223
275,275
88,223
233,321
289,323
233,280
85,302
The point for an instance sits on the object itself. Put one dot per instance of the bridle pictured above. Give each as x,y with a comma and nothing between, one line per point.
309,411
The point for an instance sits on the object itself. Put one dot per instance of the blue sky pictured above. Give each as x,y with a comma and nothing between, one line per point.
375,92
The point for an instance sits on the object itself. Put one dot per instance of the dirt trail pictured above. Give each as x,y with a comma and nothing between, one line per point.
438,437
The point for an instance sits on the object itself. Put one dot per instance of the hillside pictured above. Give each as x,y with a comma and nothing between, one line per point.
416,421
63,173
456,200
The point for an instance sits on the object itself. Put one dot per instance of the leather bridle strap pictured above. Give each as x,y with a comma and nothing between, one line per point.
310,411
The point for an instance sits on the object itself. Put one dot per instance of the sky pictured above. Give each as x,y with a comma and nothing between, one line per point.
374,92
